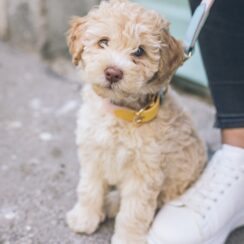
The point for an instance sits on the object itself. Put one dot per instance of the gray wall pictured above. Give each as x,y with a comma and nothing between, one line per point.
39,24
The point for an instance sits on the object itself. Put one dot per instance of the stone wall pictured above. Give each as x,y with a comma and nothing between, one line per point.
40,24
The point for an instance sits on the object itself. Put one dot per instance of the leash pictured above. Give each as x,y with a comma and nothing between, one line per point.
195,26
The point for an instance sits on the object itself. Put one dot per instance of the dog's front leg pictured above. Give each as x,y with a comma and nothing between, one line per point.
138,206
88,211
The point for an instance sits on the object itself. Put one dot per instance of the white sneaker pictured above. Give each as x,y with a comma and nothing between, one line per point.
211,209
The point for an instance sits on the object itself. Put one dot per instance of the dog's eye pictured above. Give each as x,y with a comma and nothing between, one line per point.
103,42
139,52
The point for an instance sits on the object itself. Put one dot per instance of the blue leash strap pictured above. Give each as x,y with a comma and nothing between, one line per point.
197,21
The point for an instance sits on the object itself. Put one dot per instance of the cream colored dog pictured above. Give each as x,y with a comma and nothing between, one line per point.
127,57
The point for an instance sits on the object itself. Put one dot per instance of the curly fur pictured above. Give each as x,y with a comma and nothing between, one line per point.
149,165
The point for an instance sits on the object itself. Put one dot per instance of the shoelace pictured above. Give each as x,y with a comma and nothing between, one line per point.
213,184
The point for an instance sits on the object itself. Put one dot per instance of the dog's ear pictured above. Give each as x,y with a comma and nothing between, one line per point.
172,55
74,38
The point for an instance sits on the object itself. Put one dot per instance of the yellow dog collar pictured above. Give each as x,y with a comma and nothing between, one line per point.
142,116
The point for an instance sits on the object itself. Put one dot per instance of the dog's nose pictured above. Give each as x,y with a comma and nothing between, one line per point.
113,74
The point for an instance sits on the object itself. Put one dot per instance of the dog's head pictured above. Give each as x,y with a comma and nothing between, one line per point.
124,49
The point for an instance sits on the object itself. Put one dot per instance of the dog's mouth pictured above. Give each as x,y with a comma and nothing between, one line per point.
108,86
109,91
102,89
105,86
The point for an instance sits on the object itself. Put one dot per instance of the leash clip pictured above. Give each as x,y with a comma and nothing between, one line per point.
188,54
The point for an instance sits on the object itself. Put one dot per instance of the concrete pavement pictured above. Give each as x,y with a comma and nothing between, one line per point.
38,163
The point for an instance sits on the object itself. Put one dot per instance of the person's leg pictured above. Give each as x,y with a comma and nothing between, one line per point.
234,137
214,206
222,41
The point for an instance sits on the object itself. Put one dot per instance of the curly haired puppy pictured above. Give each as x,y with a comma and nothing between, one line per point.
127,57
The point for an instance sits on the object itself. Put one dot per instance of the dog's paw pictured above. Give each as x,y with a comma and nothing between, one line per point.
83,220
117,239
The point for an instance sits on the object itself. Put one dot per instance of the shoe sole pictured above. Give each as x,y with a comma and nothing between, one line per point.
222,235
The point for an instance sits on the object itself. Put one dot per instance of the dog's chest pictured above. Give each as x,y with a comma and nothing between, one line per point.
112,151
115,147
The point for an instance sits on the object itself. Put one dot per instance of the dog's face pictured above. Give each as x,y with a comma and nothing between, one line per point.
123,49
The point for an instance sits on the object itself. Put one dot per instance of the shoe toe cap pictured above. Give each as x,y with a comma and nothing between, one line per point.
175,225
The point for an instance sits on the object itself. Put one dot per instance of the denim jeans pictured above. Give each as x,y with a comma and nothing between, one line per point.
222,48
